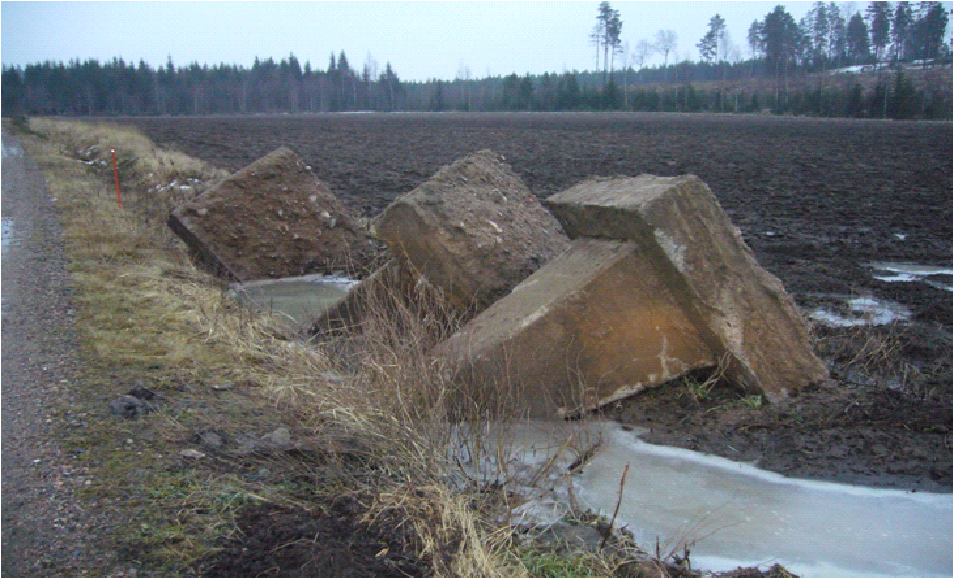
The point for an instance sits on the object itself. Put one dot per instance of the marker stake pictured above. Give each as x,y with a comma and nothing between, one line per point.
119,198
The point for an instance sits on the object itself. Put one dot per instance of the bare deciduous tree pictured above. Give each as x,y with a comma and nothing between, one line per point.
666,42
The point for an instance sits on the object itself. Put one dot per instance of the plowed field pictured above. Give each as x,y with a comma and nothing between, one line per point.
818,200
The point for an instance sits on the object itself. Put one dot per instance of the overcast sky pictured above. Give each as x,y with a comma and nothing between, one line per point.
421,39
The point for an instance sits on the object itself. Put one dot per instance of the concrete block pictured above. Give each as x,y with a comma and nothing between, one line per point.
741,303
473,230
596,324
272,219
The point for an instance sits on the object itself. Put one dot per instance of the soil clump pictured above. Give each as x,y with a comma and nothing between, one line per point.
332,541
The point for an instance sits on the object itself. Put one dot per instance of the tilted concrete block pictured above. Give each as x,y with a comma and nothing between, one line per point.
272,219
658,283
473,229
756,321
596,324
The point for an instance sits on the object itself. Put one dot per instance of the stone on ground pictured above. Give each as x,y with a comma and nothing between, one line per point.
272,219
471,233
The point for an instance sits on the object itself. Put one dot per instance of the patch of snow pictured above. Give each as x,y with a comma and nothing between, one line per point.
863,312
910,272
12,151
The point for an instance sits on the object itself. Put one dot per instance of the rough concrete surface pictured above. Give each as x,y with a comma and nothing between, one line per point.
473,229
274,218
744,305
594,325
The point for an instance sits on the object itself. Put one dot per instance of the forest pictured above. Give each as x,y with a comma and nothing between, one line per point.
890,61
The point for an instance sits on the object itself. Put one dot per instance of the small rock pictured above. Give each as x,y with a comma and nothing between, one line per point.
142,393
126,406
191,453
209,440
244,445
333,377
279,438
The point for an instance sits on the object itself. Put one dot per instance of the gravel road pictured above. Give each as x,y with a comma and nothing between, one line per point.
46,532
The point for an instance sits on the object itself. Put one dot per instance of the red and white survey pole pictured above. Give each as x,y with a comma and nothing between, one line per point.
119,198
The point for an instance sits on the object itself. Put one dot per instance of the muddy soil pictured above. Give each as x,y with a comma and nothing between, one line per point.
817,200
284,542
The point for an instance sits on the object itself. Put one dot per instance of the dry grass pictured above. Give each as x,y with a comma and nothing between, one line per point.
874,352
145,310
376,397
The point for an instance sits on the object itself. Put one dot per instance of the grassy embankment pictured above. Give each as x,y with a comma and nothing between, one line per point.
147,317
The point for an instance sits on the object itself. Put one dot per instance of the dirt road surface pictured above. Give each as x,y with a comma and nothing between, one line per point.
45,531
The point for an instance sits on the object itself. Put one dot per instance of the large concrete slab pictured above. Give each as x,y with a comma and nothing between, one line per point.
472,232
473,229
272,219
744,305
598,323
384,290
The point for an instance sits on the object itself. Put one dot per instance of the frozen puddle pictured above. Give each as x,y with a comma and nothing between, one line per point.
935,276
300,299
734,514
740,515
8,240
862,312
11,150
6,227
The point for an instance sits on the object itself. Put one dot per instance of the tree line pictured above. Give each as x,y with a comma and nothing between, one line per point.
91,88
890,37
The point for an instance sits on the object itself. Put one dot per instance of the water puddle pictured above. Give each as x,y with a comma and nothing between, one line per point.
11,150
299,299
860,311
935,276
6,228
730,513
8,240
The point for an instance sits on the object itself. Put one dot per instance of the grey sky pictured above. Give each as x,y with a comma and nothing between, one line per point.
421,39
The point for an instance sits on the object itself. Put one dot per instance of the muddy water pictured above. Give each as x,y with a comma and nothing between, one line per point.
733,514
850,311
859,311
297,299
